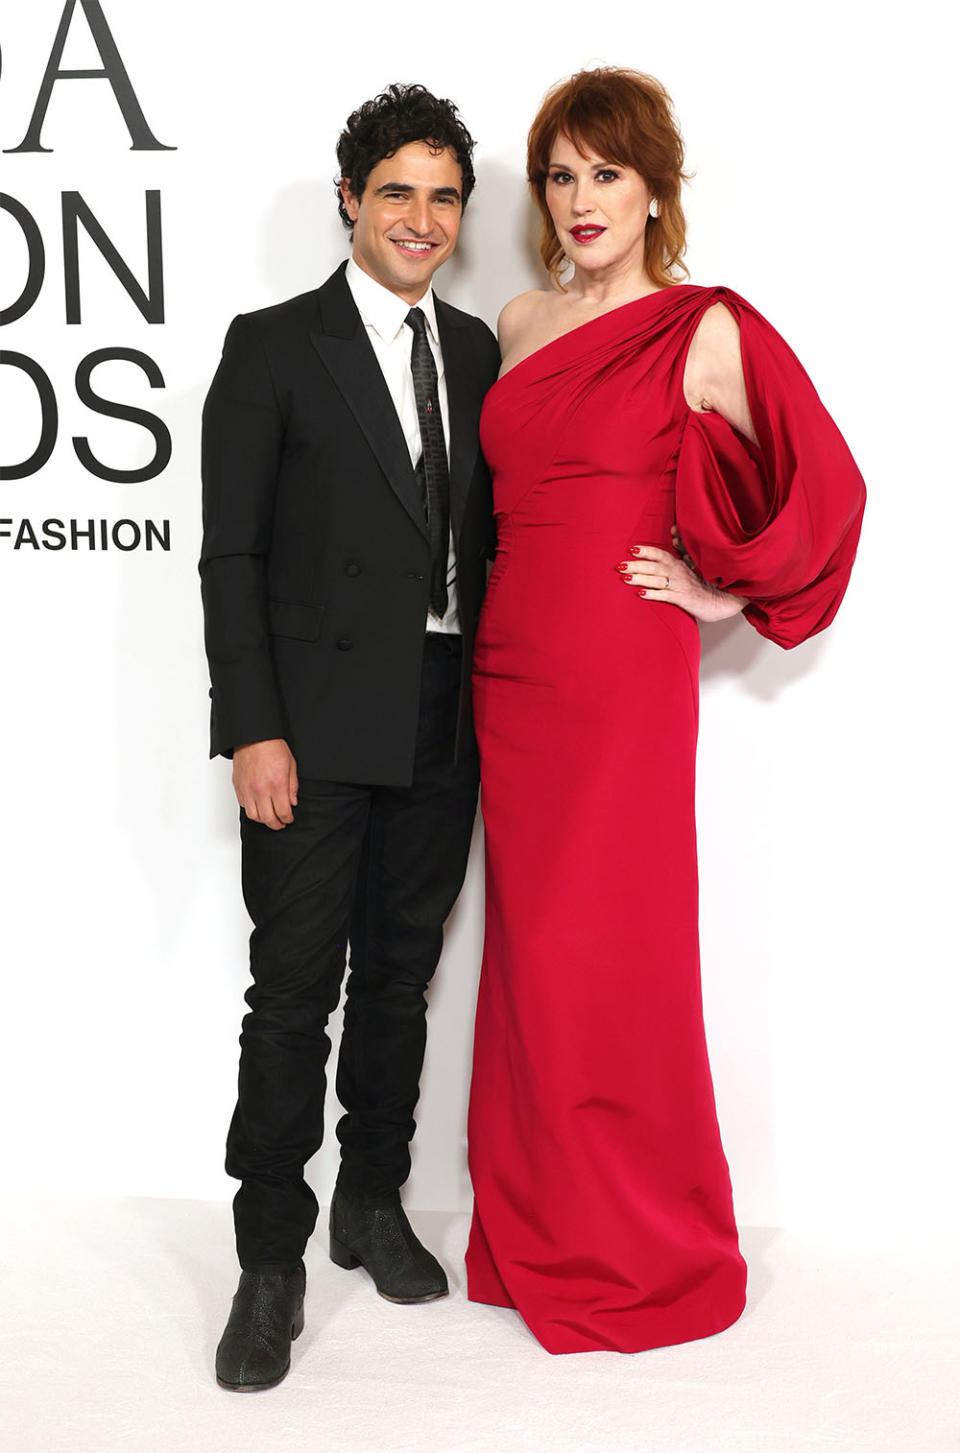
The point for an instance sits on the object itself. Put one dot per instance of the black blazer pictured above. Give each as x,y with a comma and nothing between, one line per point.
315,557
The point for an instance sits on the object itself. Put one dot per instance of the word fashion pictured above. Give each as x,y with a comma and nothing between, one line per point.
100,535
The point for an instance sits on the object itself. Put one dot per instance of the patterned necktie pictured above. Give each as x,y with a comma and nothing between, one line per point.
432,465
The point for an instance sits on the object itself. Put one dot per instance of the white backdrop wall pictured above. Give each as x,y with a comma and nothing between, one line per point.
826,815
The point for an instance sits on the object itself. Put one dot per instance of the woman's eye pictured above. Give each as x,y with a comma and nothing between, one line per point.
561,177
608,176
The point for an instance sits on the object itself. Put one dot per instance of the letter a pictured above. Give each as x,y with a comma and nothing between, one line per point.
113,71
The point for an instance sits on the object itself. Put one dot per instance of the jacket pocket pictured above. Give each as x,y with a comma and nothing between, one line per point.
294,618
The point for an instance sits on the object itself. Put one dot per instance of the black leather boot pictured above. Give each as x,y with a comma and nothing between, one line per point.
266,1316
373,1232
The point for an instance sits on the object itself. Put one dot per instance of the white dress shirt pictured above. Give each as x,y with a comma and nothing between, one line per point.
384,316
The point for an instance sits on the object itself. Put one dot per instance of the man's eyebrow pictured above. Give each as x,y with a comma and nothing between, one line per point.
408,187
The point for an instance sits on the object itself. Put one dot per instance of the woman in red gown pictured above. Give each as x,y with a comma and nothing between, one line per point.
629,404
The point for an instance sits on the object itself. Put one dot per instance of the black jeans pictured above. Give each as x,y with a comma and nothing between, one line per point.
379,867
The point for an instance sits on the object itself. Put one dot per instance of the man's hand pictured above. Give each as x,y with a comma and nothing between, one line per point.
265,781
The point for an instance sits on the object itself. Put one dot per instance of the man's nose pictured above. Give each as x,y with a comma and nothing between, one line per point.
418,218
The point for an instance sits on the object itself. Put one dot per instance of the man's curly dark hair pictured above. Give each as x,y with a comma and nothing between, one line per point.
399,115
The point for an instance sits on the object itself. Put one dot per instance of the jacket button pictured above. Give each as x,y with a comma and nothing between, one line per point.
344,644
352,568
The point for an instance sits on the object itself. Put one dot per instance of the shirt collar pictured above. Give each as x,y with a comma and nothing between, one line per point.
383,310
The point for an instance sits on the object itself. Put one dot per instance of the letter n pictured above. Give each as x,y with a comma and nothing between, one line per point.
75,210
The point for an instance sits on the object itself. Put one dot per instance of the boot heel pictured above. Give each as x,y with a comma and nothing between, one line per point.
297,1327
341,1255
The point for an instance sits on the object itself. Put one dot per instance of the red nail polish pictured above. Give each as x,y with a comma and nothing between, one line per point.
641,592
637,550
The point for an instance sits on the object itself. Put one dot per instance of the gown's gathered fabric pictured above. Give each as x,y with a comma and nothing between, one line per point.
603,1209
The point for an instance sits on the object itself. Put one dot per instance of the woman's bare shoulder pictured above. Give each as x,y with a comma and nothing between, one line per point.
517,315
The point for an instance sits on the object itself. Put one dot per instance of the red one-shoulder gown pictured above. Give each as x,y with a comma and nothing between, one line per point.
603,1209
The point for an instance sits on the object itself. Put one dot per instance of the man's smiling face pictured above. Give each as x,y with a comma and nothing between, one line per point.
406,223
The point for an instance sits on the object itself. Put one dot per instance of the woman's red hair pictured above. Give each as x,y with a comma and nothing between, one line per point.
626,117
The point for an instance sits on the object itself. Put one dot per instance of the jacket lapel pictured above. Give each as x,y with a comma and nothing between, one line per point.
464,399
342,343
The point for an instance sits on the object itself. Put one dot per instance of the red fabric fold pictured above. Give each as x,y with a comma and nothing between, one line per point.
779,523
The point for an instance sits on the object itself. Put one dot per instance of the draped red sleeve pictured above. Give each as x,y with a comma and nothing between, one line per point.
778,523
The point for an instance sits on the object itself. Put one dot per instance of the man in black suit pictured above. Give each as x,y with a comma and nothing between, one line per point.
347,525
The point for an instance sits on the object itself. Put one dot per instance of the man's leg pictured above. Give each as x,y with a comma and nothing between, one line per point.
412,869
298,885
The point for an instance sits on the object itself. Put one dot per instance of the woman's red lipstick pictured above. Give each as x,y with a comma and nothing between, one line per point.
586,232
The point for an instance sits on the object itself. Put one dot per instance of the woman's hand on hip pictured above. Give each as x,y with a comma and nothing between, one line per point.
658,574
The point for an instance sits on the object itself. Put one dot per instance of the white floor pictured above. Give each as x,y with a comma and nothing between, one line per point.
111,1311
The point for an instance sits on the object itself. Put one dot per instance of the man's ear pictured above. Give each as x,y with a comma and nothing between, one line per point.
349,200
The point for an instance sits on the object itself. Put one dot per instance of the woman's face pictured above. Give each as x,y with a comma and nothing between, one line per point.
599,208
